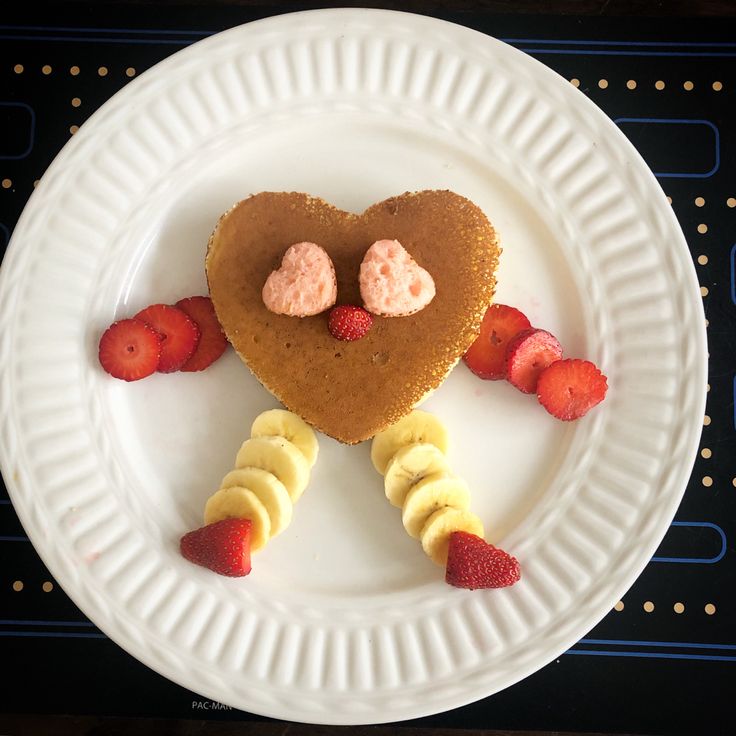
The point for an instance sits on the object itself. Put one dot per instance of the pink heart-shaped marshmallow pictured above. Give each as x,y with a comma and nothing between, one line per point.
392,283
304,285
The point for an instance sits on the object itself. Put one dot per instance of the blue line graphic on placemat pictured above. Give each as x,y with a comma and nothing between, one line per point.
5,234
675,644
142,31
683,121
53,634
655,654
590,42
697,560
733,273
31,131
656,645
36,622
595,52
25,633
99,39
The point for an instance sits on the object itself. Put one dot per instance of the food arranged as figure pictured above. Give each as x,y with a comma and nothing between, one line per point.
435,504
163,338
351,321
272,469
422,265
530,359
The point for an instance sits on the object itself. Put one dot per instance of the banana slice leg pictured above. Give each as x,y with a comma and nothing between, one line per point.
416,427
435,534
279,457
271,493
429,495
286,424
240,503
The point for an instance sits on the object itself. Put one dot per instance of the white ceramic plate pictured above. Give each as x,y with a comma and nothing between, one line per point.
344,620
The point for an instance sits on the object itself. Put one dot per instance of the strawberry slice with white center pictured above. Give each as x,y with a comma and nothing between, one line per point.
179,334
130,350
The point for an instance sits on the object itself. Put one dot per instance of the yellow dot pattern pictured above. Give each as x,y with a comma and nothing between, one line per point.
46,69
130,71
659,85
717,86
102,71
679,608
731,202
706,420
702,228
704,291
619,606
710,609
7,183
631,84
575,82
18,68
648,606
76,102
74,71
688,86
17,586
707,481
706,453
699,202
47,587
603,83
702,259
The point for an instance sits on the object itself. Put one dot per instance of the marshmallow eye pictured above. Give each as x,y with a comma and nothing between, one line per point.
392,283
304,285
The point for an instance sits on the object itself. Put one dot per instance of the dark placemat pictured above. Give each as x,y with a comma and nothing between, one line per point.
663,660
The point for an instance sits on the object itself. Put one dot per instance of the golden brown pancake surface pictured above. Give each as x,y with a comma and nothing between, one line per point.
351,390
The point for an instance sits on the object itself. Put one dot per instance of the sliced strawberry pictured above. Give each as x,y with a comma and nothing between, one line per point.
486,357
212,340
473,563
348,322
569,388
223,547
179,334
527,355
130,350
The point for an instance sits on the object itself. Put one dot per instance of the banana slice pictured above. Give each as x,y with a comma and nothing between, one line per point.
270,491
435,534
240,503
283,423
432,493
418,426
277,456
408,466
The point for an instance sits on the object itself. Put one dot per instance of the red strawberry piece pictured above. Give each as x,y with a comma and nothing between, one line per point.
473,563
486,357
179,335
223,547
348,322
130,350
212,340
527,355
569,388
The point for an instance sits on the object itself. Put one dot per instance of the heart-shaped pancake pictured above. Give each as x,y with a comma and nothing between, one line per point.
352,390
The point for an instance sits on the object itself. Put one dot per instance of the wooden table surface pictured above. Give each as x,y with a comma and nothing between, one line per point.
24,724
